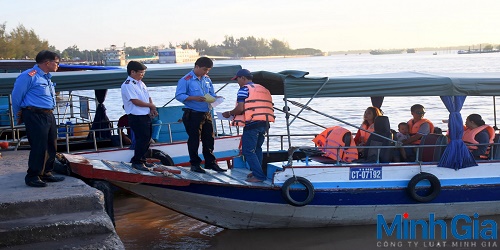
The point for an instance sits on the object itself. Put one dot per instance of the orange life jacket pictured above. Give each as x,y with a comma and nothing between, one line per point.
258,106
469,135
363,135
415,126
334,137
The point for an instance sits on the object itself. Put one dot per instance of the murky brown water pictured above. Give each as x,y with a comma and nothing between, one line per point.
142,224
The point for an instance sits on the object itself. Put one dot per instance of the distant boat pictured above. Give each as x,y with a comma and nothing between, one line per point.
435,53
409,51
477,51
384,52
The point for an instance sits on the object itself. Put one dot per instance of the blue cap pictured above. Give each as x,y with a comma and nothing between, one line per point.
242,72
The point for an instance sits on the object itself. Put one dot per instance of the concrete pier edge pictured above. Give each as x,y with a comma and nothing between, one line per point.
64,215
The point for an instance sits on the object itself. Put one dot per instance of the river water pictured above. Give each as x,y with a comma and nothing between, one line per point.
145,225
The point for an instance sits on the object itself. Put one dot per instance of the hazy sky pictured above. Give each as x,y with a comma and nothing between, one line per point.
328,25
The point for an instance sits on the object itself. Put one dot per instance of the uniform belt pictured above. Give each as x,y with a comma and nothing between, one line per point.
39,110
193,111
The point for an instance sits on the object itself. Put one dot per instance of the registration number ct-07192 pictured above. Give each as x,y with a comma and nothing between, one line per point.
374,173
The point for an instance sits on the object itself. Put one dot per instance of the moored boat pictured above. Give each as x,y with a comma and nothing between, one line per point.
314,191
386,52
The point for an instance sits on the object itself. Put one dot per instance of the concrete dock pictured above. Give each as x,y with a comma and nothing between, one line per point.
64,215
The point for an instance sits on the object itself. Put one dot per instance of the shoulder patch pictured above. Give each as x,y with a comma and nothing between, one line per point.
127,81
134,82
188,77
32,73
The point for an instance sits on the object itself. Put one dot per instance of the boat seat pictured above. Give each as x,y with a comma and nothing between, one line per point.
432,154
383,128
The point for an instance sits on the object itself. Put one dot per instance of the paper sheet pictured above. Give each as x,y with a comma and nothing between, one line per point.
217,101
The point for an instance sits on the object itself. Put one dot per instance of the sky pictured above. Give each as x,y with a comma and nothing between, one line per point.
328,25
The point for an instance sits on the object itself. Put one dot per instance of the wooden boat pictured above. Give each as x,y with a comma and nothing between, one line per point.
314,191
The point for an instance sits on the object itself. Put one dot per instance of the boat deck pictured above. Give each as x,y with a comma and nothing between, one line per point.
159,174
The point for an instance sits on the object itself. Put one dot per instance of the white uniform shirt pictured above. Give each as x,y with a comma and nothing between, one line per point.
133,89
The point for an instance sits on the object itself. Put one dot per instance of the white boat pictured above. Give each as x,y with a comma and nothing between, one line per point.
307,190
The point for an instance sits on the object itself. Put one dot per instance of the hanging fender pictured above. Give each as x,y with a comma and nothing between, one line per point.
285,191
435,187
164,158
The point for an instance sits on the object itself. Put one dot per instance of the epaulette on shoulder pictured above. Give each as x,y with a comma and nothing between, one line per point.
127,81
32,73
188,77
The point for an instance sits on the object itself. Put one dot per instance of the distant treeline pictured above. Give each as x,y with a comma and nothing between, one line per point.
21,43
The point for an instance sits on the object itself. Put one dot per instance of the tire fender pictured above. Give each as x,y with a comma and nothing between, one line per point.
163,157
285,191
435,187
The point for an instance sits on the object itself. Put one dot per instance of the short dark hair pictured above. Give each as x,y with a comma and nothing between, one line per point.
476,119
402,124
46,55
204,62
415,107
135,66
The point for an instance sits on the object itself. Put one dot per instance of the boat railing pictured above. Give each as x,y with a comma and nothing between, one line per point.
315,151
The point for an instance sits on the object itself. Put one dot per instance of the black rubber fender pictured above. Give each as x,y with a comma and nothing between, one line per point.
163,157
285,191
435,187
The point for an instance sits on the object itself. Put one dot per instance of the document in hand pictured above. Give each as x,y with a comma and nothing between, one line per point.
217,101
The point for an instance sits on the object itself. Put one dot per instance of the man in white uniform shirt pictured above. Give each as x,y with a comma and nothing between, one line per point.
140,110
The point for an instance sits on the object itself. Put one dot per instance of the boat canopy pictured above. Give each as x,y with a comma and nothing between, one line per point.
452,88
296,85
108,79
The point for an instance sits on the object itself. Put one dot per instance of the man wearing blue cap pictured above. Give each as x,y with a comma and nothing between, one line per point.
254,110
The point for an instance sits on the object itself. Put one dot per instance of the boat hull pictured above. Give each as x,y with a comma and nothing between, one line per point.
250,210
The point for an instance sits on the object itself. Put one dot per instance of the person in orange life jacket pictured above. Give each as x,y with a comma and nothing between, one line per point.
368,124
255,125
192,90
477,132
419,126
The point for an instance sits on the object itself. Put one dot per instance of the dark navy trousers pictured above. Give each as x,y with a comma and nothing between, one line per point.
142,127
199,126
41,130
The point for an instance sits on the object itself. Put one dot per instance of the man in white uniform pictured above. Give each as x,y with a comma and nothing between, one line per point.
140,110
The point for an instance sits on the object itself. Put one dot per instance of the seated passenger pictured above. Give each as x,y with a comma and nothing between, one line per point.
403,134
368,124
477,132
331,141
381,138
419,126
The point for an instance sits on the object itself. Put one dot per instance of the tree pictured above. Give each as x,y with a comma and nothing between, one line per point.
20,43
278,47
488,47
200,45
3,41
229,42
73,53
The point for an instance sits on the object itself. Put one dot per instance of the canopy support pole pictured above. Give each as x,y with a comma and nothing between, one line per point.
339,120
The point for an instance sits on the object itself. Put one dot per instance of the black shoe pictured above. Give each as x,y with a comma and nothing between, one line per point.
140,166
197,169
149,165
36,183
216,168
51,178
